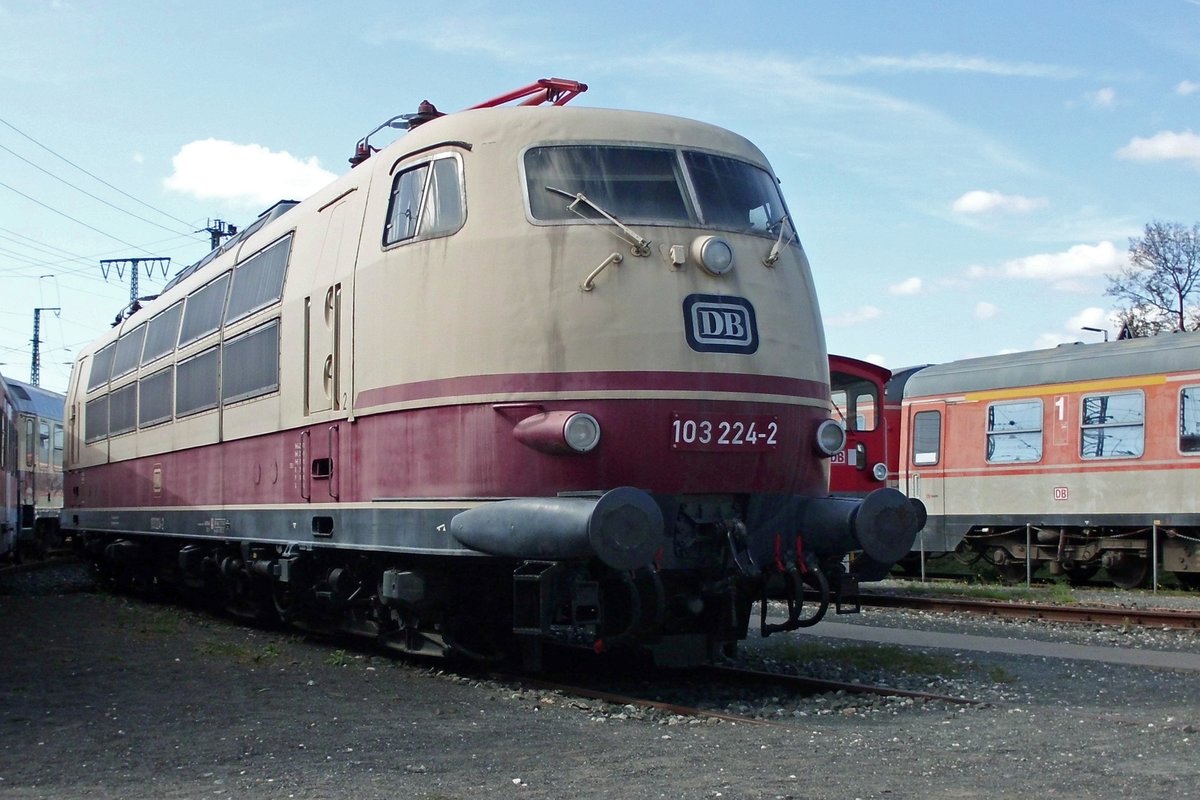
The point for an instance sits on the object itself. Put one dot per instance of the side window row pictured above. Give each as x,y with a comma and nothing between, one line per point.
1111,426
241,368
257,283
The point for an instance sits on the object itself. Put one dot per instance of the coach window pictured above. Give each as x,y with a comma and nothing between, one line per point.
101,366
1014,432
927,438
1113,426
161,333
43,443
202,314
426,201
258,281
1189,420
58,446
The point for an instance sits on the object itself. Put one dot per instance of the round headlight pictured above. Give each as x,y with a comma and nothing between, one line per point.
831,437
582,432
879,471
713,254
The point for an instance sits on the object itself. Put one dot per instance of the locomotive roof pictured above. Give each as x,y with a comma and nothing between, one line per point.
1168,352
30,399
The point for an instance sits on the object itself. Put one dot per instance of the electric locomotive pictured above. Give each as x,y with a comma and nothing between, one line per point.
527,376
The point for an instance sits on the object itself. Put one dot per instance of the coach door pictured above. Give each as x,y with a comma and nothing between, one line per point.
926,459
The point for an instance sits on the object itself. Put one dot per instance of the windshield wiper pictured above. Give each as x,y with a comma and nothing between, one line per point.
784,223
640,245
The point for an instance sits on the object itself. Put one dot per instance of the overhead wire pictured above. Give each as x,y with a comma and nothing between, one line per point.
91,175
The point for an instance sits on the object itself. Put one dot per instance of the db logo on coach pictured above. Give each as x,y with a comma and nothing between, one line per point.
716,324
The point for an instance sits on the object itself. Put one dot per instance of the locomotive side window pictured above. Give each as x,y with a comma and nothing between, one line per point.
197,383
129,351
155,393
202,314
1189,420
101,366
1113,426
927,437
122,410
96,426
258,281
426,202
1014,432
251,364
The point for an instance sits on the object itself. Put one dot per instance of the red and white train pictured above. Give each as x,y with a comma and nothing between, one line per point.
1075,458
526,376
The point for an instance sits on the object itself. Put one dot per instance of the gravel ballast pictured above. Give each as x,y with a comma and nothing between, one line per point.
110,697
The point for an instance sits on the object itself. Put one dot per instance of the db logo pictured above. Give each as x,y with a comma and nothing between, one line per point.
716,324
1060,493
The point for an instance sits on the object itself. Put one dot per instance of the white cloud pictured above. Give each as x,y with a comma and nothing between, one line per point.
243,173
986,310
1102,98
1187,87
855,317
909,286
981,202
1164,146
1082,260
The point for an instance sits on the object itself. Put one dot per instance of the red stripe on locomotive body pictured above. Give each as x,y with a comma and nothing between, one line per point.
463,451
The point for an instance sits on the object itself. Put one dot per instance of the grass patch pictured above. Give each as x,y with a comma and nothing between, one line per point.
240,652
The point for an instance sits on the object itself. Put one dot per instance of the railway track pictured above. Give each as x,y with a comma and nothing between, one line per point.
1090,615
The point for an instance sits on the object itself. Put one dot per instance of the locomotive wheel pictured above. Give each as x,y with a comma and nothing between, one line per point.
1078,576
1129,572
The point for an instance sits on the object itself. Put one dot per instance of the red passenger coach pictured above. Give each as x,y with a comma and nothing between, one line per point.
526,376
1079,457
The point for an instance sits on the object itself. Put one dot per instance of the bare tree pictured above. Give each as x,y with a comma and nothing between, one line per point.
1162,283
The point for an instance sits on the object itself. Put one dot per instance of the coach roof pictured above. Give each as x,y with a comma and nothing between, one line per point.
1168,352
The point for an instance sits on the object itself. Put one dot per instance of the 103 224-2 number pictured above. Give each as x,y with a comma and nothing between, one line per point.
724,431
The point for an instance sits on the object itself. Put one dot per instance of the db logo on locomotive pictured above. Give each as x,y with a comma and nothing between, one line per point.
716,324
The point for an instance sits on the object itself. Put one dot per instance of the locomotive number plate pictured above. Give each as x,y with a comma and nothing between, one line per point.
724,432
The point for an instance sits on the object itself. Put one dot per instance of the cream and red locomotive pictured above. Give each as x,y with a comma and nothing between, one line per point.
527,375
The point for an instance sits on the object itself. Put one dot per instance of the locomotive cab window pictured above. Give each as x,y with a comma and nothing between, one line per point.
857,401
651,185
1113,426
1189,420
426,201
1014,432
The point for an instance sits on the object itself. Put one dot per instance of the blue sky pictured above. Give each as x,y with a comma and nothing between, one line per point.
963,175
